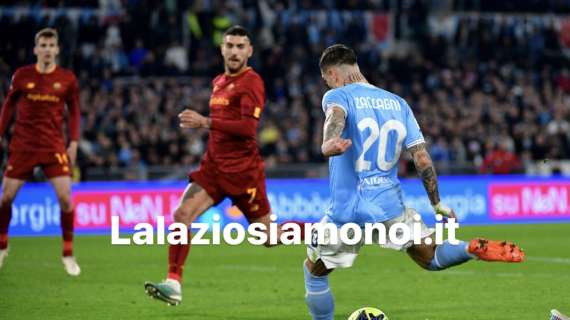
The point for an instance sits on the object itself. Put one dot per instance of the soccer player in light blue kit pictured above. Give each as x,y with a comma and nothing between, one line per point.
365,131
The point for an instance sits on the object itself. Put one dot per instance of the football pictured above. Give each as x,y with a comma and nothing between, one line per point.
368,313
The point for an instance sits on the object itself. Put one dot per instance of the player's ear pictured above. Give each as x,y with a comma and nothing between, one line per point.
250,51
334,74
331,73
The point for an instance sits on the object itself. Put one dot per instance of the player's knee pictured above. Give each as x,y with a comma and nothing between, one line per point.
422,255
179,215
7,198
183,215
424,261
317,269
65,202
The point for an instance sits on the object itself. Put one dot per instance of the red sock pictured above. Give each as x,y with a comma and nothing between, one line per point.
67,220
177,254
5,216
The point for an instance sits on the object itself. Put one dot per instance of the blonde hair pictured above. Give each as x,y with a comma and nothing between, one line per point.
46,33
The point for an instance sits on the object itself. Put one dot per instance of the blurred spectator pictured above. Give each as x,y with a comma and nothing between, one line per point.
501,161
138,54
177,57
440,154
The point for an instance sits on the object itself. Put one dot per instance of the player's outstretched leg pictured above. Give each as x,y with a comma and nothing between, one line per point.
194,202
318,295
556,315
10,188
170,290
440,257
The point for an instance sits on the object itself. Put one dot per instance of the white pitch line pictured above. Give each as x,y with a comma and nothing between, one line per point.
462,273
250,268
478,274
550,259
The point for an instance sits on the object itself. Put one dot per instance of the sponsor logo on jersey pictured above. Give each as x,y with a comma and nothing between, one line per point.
42,97
30,85
374,181
219,101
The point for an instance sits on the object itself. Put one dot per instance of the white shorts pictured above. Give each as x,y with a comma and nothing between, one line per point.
340,255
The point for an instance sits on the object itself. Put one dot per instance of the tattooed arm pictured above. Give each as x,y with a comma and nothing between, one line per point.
426,171
333,144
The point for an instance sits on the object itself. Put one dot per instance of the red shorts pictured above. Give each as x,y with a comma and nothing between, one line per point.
21,164
246,189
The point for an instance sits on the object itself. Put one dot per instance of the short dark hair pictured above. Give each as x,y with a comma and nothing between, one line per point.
237,30
46,33
337,54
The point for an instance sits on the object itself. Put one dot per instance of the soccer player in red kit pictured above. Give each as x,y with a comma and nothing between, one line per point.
232,166
38,94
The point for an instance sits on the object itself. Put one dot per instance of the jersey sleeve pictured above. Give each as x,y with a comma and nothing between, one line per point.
414,134
335,98
9,105
253,99
74,109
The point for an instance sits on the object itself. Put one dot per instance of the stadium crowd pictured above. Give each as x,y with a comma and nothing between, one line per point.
491,93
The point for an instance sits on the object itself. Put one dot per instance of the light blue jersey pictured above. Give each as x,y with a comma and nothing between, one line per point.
364,181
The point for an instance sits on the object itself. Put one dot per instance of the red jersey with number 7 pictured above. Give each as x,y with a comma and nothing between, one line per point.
39,100
236,104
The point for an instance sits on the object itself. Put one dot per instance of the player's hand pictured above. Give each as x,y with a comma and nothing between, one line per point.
445,211
192,119
335,146
72,152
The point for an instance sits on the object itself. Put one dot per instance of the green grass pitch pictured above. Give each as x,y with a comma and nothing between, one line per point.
248,283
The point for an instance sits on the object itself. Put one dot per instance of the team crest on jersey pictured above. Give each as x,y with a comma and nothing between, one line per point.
30,85
216,88
57,86
231,86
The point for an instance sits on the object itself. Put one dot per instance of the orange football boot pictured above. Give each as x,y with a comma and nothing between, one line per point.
490,250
